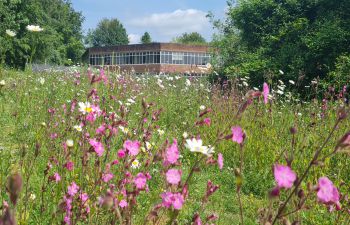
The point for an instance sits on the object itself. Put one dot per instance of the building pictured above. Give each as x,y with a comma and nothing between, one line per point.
153,58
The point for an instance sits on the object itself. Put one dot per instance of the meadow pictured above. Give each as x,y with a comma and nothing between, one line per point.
99,147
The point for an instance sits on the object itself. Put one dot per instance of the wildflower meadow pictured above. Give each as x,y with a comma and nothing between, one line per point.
93,146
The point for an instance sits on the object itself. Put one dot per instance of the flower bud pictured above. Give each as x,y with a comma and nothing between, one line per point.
14,187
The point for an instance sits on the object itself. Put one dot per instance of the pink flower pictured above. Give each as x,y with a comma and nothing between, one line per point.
132,146
69,165
106,177
237,134
266,92
121,153
140,181
83,197
57,177
172,199
98,147
73,189
101,129
173,176
327,193
284,176
220,161
172,153
166,199
177,201
207,121
123,203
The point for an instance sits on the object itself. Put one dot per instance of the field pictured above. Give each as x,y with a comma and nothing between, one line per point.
87,147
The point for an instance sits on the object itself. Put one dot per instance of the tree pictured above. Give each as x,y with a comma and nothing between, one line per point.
190,38
108,32
302,38
146,38
62,31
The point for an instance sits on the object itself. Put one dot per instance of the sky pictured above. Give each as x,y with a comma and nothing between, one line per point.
163,19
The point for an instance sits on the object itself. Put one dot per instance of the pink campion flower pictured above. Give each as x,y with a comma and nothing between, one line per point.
98,147
123,203
132,146
172,199
172,153
237,134
121,153
106,177
57,177
220,161
207,121
327,193
101,129
177,201
91,117
73,189
83,197
284,176
173,176
140,181
69,165
166,199
266,92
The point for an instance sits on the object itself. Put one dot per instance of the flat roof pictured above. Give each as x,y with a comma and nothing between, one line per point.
151,47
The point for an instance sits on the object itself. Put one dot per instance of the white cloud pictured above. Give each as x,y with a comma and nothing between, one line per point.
134,38
174,23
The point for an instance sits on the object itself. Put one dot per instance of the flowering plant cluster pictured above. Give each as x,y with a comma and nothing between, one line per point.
107,153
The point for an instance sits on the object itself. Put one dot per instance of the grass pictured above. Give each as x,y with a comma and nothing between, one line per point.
24,108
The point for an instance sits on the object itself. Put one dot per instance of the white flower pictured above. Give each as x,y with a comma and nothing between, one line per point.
256,89
280,92
281,72
245,83
135,164
125,130
78,128
185,135
291,82
32,197
69,143
132,101
160,132
202,107
41,80
10,33
34,28
314,82
188,82
84,107
196,145
2,83
208,65
148,145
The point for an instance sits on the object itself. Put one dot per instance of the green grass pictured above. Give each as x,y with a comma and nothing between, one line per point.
24,104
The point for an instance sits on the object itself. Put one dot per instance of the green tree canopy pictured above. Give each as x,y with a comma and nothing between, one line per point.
302,38
60,40
190,38
146,38
108,32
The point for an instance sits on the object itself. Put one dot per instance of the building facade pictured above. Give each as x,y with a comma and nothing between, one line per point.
153,58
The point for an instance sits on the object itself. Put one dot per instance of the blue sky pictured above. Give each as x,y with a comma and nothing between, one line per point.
163,19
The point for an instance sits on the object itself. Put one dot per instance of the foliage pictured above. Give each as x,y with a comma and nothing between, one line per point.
107,33
190,38
59,41
146,38
301,38
41,112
